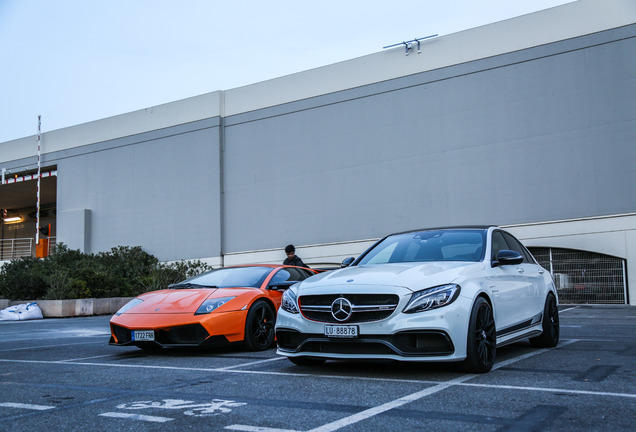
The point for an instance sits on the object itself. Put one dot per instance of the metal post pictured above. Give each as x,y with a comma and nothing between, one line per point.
37,217
221,177
626,297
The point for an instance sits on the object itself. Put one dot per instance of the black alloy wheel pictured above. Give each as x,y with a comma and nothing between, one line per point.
259,326
481,344
550,336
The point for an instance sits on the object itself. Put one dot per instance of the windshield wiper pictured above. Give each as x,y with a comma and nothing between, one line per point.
190,285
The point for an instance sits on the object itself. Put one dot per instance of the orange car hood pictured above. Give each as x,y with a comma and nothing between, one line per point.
180,300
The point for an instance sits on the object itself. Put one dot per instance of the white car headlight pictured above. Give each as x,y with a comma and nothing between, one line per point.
210,304
289,302
432,298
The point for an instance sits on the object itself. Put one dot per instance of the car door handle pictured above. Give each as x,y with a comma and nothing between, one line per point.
520,270
540,271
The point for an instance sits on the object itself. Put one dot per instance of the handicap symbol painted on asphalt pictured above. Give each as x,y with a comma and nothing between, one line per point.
216,407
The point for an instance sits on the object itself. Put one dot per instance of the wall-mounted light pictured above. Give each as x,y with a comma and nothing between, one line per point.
408,45
13,219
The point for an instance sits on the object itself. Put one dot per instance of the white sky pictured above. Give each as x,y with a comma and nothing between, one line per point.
75,61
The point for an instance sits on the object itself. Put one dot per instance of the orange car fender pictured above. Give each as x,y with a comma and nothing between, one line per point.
233,327
270,299
229,324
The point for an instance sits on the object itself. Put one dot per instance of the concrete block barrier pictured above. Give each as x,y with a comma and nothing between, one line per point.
74,307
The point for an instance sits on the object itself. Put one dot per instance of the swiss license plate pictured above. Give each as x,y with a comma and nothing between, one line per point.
143,335
341,331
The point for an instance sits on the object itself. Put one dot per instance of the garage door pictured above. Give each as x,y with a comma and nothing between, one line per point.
583,277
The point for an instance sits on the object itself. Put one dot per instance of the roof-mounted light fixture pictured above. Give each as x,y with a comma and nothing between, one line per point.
13,219
408,45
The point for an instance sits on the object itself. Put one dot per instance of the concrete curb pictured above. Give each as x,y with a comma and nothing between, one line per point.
73,307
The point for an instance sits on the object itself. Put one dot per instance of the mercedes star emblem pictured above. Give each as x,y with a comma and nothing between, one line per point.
341,309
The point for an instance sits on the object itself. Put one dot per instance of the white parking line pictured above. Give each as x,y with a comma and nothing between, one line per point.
82,332
569,309
553,390
372,412
137,417
252,363
355,418
86,358
49,346
505,363
246,428
247,372
48,335
272,373
26,406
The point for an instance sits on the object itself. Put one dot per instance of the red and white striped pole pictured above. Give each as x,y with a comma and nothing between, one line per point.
37,217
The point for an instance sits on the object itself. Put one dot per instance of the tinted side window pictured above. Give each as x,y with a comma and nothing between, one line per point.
498,244
291,274
307,273
513,244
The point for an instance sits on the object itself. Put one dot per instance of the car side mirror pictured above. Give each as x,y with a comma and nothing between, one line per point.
508,257
347,262
281,285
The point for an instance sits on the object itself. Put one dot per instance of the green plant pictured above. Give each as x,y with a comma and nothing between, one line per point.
23,278
163,275
123,272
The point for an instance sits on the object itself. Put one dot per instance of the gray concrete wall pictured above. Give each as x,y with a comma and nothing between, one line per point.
541,134
159,190
537,134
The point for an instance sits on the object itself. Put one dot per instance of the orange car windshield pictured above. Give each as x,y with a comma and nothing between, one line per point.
251,277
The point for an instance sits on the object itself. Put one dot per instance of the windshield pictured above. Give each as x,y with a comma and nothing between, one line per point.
436,245
231,277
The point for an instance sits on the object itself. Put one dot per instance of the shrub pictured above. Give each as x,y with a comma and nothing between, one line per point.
122,272
165,274
23,278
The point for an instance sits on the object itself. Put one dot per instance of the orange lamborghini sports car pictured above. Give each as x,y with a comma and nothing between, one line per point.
215,308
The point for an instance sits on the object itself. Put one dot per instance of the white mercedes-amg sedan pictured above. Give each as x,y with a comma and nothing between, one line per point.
443,294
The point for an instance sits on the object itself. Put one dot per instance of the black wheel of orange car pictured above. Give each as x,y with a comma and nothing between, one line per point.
550,336
306,361
481,344
259,326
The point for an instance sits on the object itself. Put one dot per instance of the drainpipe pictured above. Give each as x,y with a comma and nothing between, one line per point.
221,175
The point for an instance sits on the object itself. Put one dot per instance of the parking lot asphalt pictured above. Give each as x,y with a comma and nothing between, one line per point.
61,375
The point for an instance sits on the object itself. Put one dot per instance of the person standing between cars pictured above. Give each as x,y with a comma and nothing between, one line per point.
292,258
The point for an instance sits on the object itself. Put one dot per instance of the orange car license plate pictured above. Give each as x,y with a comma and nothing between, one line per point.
341,331
143,335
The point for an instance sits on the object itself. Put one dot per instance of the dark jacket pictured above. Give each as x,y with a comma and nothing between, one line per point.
295,261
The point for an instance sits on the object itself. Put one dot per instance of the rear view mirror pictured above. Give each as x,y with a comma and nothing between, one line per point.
508,257
347,262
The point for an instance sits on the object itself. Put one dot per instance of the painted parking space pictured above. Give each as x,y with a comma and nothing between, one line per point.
71,382
25,406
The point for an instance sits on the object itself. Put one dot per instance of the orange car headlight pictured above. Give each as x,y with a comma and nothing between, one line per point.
210,304
131,304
